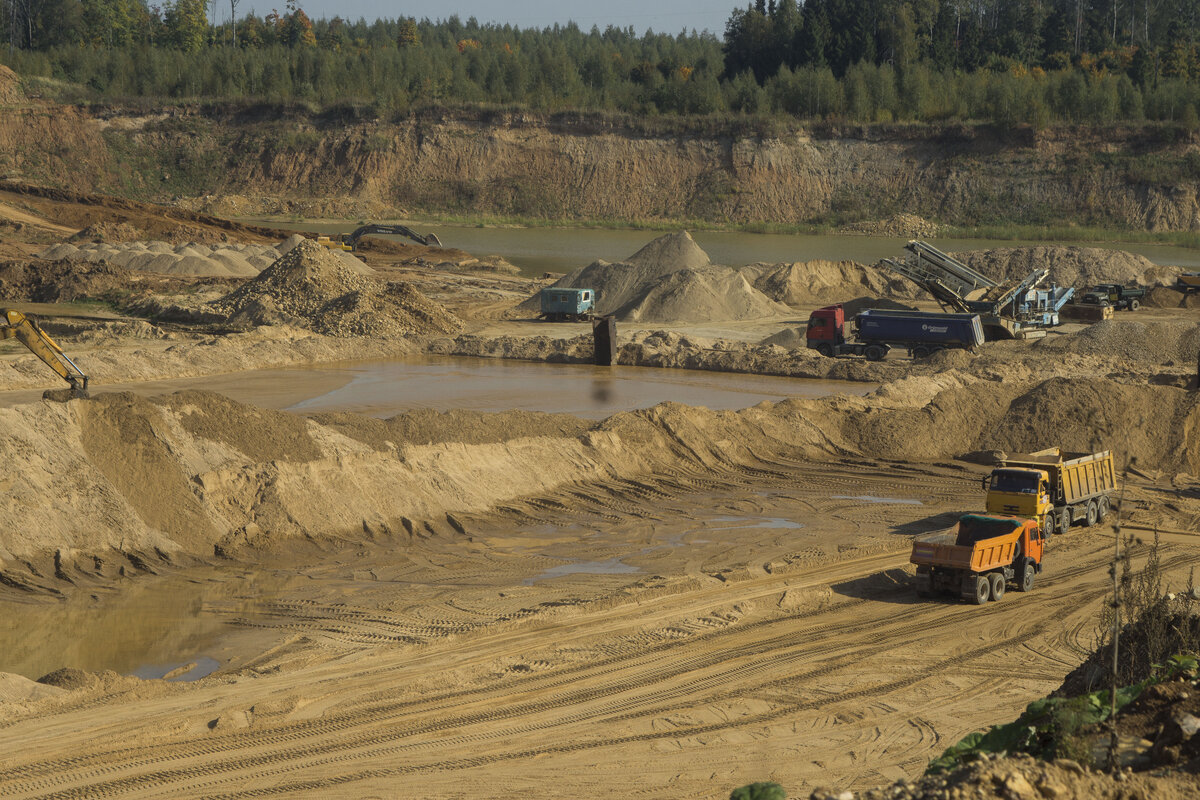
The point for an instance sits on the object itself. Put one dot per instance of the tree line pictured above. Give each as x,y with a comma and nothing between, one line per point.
1010,61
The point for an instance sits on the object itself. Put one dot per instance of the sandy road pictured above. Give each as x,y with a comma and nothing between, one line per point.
824,670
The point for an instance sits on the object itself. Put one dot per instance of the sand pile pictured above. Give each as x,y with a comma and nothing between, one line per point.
668,280
59,281
1146,342
114,244
807,283
707,293
311,287
1081,267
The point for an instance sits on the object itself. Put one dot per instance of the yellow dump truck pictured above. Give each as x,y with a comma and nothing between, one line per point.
978,558
1053,487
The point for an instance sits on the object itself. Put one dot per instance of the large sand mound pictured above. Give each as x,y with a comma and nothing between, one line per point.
807,283
669,253
1069,266
311,287
668,280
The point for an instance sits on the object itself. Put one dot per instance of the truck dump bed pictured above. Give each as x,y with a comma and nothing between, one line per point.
978,544
1079,475
964,330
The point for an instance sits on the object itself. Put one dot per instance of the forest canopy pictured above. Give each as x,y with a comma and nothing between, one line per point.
1007,61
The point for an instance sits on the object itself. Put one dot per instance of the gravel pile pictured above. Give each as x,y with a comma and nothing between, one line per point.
191,259
907,225
311,287
1145,342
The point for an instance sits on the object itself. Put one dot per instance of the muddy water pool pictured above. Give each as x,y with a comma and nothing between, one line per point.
386,388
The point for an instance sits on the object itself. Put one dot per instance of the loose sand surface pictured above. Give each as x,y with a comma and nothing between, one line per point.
673,601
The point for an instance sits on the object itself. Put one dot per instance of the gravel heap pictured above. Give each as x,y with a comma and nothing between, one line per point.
193,259
311,287
902,224
1151,342
1024,778
59,281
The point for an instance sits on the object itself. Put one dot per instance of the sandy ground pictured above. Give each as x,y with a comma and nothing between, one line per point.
743,644
668,603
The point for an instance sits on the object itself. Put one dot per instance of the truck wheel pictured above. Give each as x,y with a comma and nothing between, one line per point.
996,581
1064,520
1026,577
1102,509
1134,305
979,591
920,351
1048,525
874,352
1090,519
924,584
825,349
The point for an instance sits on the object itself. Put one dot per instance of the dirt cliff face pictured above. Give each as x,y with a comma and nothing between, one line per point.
281,160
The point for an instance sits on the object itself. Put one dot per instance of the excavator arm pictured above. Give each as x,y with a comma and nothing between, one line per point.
351,239
15,325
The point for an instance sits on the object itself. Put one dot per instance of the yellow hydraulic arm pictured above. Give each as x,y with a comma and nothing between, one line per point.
15,325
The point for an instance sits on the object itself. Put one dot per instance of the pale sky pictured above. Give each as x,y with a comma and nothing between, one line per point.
663,16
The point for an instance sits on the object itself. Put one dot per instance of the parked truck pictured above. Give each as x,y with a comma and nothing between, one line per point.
1121,298
567,305
1053,488
877,331
979,557
1188,282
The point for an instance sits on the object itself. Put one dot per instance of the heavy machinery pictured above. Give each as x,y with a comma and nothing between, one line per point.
979,557
877,331
1006,310
567,305
1121,298
1188,282
15,325
1053,488
349,241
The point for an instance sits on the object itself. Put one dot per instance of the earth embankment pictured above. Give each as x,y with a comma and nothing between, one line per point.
193,472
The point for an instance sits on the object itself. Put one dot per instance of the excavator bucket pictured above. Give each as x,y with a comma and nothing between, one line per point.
65,395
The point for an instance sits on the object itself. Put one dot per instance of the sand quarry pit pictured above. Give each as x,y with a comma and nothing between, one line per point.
211,598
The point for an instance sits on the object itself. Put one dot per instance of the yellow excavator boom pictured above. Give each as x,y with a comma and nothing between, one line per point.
15,325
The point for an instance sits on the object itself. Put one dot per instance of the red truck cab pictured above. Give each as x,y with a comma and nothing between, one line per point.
826,330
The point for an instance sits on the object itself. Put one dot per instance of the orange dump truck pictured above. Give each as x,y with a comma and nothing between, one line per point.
979,557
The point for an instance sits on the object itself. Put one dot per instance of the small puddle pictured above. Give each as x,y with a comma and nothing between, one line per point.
870,498
757,522
613,566
183,671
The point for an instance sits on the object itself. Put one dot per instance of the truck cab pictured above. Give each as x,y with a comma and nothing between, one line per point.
1019,493
826,330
